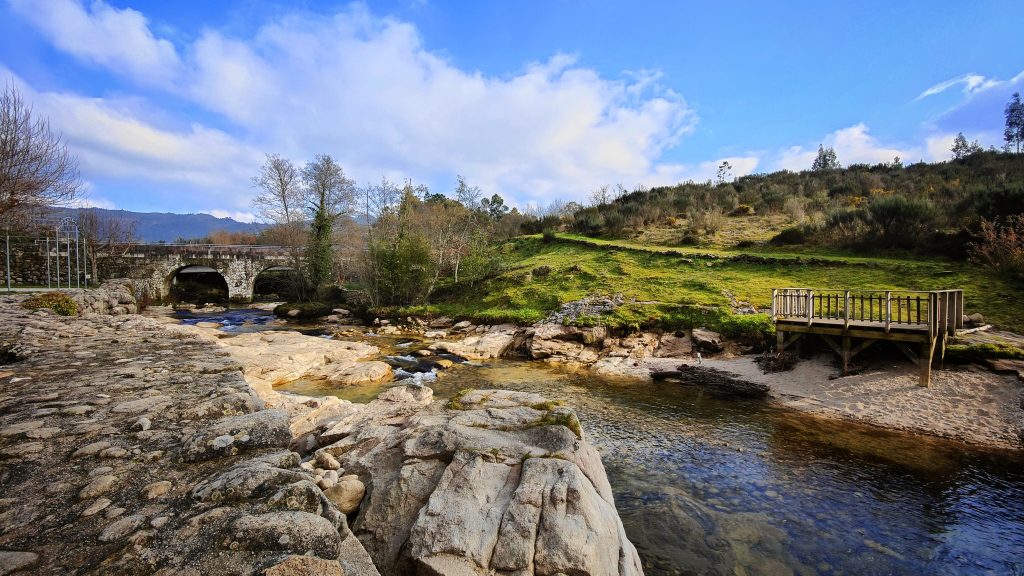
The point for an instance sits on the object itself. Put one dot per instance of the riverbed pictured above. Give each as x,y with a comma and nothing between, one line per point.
711,485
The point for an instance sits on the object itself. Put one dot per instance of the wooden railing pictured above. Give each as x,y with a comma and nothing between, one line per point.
936,311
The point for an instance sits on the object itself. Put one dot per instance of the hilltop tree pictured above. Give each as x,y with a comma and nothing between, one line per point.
826,160
36,167
494,207
1013,134
724,172
962,148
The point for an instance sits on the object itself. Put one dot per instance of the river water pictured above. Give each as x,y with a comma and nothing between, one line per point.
710,485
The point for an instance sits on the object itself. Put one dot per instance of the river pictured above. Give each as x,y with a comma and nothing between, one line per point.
711,485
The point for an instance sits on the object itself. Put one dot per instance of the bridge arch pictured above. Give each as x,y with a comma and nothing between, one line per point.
273,283
197,284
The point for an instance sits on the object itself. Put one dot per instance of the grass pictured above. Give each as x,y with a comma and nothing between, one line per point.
685,286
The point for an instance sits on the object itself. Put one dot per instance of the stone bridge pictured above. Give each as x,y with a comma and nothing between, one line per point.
38,263
160,264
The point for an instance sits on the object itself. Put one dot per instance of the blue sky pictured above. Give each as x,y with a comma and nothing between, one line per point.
170,106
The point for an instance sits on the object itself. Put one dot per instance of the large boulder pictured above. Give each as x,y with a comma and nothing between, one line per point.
494,342
495,481
704,339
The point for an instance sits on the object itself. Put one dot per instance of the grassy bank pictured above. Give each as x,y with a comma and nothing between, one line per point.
678,286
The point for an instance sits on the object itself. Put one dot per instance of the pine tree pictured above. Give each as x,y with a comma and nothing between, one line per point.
826,159
1013,134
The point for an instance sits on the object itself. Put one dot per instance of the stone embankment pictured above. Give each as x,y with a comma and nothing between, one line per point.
131,446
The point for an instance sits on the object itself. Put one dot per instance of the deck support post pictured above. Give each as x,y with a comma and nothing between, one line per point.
925,363
846,354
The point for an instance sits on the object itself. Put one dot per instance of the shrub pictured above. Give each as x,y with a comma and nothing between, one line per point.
59,302
306,310
742,210
900,222
548,236
1000,247
704,221
790,235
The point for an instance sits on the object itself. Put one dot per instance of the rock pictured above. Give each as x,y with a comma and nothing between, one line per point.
444,363
21,428
494,343
156,489
672,346
264,429
12,561
305,566
420,395
142,405
43,433
214,325
299,532
347,493
96,506
362,373
504,484
142,423
99,485
463,325
120,529
326,461
719,382
975,319
91,449
707,340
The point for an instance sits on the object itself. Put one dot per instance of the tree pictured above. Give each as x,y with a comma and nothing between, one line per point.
494,207
280,201
1013,134
826,160
280,198
962,148
36,168
327,195
724,172
600,196
103,236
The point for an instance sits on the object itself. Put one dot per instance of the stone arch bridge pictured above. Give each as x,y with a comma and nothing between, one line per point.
157,265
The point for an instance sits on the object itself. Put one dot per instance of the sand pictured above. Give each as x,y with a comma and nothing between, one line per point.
967,403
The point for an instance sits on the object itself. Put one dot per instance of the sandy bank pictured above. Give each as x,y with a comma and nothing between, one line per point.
967,403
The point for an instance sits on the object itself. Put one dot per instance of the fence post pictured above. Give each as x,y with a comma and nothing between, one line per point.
846,310
888,310
7,251
810,307
774,292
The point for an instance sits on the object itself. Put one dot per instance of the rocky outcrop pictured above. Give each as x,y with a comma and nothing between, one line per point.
485,343
495,481
114,297
130,448
275,357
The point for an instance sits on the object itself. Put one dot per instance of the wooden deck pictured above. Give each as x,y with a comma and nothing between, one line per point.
851,320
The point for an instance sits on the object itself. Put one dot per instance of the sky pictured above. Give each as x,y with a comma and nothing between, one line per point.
172,106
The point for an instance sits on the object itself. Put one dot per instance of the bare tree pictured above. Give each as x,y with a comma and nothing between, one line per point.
104,236
36,168
280,198
328,195
600,196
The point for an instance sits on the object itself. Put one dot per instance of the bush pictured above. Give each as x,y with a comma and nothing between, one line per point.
306,310
900,222
59,302
1000,247
742,210
548,236
790,235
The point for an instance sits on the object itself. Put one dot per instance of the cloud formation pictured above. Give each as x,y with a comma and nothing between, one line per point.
364,89
971,83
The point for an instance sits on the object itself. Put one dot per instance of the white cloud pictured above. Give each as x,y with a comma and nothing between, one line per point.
116,39
241,216
853,145
971,83
364,89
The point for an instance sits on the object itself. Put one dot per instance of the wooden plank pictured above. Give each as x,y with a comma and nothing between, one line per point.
861,347
832,344
927,355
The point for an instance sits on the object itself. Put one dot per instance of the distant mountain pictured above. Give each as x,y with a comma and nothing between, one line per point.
168,227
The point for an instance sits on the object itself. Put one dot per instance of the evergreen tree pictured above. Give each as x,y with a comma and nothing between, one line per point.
1013,134
826,159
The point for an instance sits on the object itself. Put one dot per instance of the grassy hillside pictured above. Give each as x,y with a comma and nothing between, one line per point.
669,282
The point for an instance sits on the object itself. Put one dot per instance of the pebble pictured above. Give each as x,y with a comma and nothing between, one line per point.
43,433
113,452
114,512
99,485
122,528
90,449
96,506
12,561
143,423
159,522
157,489
327,461
21,428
